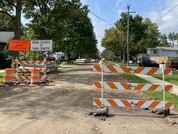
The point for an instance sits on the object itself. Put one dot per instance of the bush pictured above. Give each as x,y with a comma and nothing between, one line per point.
5,61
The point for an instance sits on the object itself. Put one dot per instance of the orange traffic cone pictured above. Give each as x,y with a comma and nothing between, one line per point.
8,78
35,77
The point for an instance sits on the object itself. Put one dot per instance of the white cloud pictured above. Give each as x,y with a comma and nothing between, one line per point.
166,19
118,2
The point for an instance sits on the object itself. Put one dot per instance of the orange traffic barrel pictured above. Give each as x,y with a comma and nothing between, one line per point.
9,76
35,77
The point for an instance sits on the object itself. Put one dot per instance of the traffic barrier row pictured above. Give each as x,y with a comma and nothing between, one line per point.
34,79
103,68
43,70
131,86
125,69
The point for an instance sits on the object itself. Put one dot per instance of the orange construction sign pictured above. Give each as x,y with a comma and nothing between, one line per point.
19,45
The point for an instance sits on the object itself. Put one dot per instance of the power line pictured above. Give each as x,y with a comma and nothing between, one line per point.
101,18
167,12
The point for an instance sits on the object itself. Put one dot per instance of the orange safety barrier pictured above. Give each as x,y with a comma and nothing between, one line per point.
8,78
35,77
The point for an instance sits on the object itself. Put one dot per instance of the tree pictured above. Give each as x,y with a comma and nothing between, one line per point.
108,55
38,11
172,38
163,40
66,23
76,36
151,35
115,41
6,23
7,8
143,34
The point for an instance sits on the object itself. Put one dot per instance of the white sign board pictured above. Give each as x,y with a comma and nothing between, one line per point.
41,45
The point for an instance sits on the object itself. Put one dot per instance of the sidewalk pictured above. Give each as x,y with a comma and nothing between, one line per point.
157,81
2,71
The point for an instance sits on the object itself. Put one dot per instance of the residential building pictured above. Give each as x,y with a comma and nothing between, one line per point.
163,51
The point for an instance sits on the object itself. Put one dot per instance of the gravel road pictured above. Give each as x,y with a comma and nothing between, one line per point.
62,107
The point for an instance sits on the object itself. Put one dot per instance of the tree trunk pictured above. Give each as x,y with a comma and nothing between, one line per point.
17,20
17,25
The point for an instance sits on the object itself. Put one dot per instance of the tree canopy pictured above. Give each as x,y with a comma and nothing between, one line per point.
143,34
65,22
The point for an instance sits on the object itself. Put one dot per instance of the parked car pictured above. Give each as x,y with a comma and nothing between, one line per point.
148,63
51,58
173,65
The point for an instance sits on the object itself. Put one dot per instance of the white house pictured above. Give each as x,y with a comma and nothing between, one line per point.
163,51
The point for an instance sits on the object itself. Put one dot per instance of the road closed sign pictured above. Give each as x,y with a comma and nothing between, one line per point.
19,45
41,45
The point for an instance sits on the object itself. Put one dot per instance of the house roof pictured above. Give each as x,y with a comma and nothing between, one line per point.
164,48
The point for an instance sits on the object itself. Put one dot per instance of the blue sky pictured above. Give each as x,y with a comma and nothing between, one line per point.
162,12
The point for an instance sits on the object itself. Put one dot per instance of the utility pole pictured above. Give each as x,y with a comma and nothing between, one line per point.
128,15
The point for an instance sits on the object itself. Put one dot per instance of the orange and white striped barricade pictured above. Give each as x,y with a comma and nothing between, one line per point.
44,78
35,77
9,77
131,86
29,63
25,70
129,69
23,78
133,103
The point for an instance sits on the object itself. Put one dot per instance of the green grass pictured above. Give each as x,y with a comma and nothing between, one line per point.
125,64
1,77
157,95
169,97
169,78
133,78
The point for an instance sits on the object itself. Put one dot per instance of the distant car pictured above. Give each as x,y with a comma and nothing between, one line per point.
148,63
51,58
173,65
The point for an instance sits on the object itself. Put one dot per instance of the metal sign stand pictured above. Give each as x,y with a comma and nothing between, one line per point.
102,88
164,94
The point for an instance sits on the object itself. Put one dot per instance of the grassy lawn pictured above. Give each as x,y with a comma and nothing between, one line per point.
133,78
1,77
169,78
157,95
169,97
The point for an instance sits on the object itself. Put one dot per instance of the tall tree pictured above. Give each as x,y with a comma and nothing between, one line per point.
38,11
13,9
115,41
143,34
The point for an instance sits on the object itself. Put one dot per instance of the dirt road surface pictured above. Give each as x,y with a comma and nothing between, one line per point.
62,107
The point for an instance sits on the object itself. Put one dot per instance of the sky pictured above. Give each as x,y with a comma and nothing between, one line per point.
162,12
